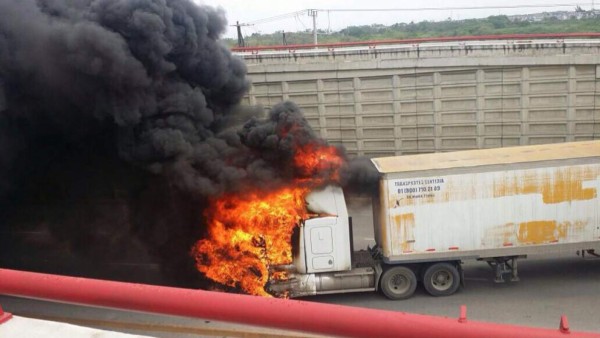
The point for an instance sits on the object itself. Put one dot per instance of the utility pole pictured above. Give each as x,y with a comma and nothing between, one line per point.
240,37
239,34
313,13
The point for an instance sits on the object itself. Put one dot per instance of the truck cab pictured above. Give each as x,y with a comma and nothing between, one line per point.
322,260
324,241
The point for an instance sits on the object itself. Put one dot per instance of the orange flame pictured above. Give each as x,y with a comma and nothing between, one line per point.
316,160
250,233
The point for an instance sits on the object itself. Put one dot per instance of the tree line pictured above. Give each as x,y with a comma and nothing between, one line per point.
499,24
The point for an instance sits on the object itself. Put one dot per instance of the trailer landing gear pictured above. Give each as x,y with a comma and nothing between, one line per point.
590,252
502,266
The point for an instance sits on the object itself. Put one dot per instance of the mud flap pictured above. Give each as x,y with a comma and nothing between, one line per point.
378,273
461,272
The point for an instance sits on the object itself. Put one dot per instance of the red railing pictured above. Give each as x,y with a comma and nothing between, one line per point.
334,320
585,35
4,316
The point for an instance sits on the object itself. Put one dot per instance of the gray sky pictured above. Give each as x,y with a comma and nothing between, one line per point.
251,10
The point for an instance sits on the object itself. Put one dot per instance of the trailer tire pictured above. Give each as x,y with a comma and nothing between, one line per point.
441,279
398,283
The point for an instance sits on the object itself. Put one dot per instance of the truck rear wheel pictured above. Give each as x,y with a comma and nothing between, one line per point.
398,283
441,279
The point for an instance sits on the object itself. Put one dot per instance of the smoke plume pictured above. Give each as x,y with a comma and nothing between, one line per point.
117,120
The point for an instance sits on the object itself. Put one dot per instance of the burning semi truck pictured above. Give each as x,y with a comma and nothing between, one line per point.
436,210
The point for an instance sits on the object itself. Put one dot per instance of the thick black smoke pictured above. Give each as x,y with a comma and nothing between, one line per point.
117,121
152,70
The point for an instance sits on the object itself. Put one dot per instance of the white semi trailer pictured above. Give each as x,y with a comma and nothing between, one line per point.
436,210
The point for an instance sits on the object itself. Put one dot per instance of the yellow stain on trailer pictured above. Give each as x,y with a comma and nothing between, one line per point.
535,232
404,238
564,185
538,232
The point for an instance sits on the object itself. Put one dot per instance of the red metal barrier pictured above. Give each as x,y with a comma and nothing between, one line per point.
304,316
4,316
331,46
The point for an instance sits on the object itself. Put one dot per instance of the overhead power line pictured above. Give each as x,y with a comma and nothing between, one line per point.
408,9
278,17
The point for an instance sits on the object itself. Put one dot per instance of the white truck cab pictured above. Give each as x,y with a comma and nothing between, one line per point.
322,262
324,239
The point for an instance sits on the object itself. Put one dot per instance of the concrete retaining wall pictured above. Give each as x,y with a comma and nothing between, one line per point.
392,100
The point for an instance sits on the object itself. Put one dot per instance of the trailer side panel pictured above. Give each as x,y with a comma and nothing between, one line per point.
488,213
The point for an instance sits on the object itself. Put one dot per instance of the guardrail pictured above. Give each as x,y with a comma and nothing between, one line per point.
334,320
375,43
4,316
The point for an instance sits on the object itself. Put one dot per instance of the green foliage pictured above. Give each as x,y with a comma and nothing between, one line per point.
498,24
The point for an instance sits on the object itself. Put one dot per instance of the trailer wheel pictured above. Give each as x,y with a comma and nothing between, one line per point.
441,279
398,283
